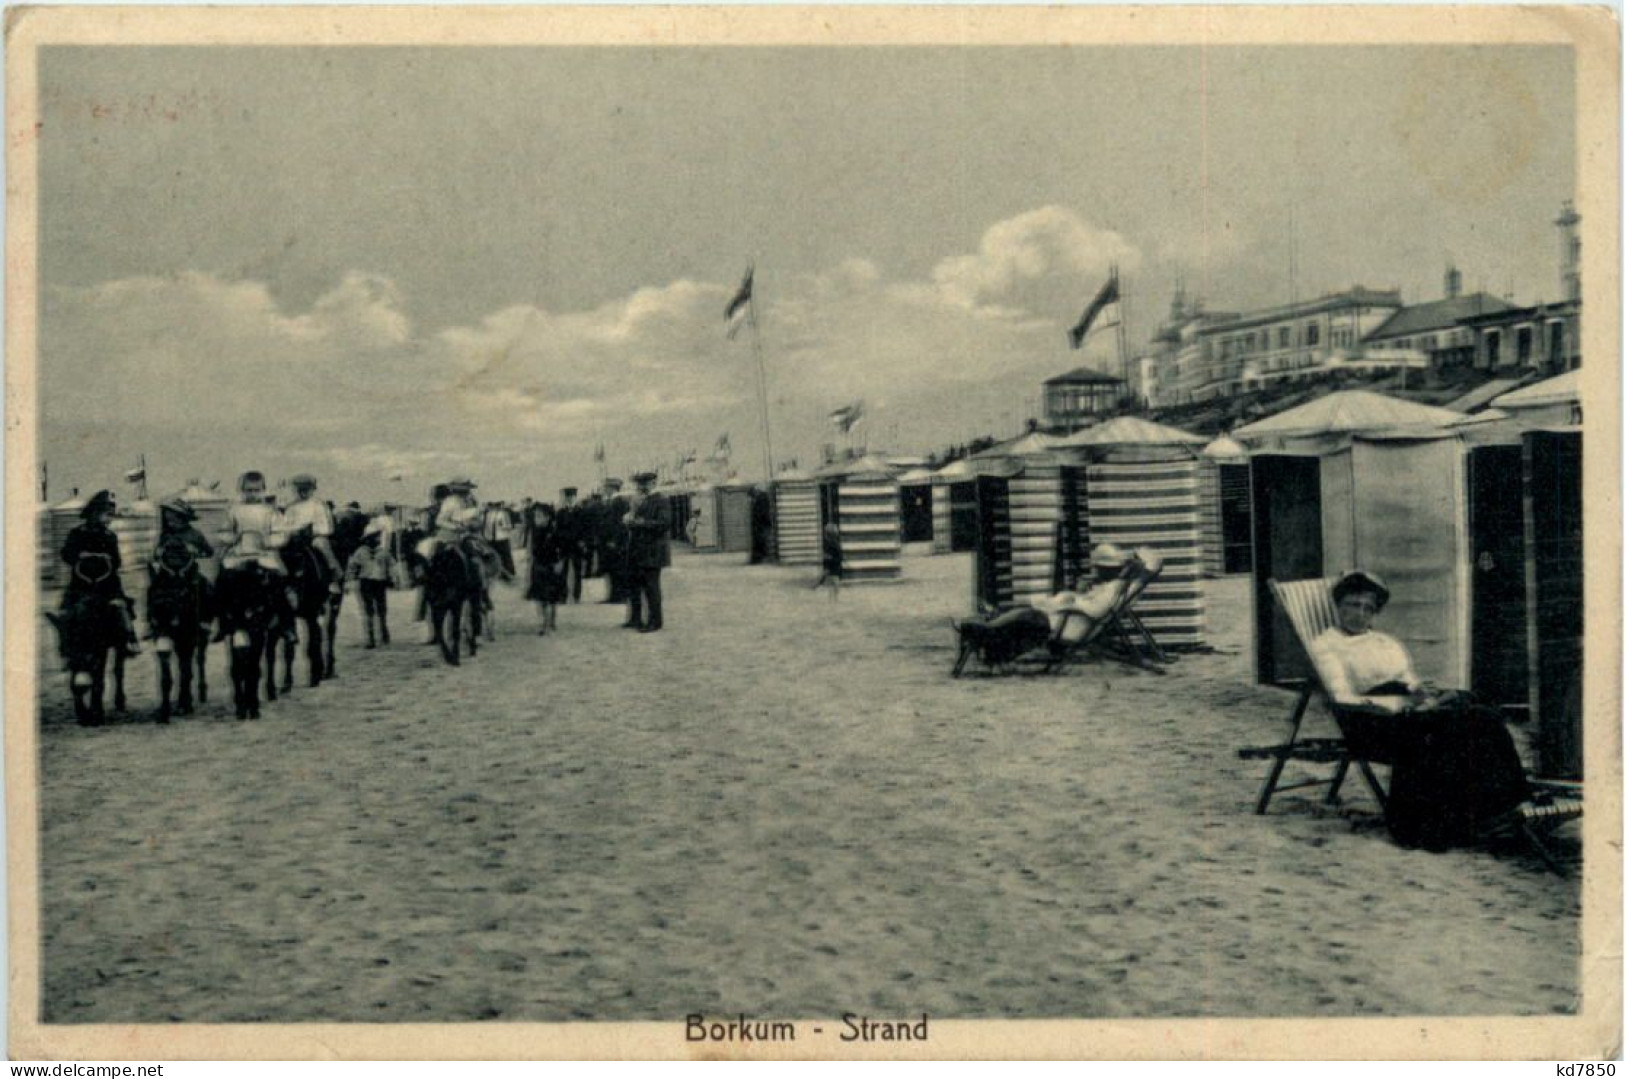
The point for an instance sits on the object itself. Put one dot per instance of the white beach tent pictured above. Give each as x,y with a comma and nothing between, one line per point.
1553,402
1326,421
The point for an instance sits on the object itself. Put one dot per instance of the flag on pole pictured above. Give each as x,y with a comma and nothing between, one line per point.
136,475
847,417
724,448
739,303
598,454
1108,294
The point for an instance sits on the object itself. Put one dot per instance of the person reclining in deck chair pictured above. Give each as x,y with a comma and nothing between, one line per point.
1455,768
1066,616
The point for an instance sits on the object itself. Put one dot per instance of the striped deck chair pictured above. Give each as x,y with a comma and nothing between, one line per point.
1074,637
1124,635
1308,606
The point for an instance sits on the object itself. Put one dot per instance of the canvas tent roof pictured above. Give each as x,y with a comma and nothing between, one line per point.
915,477
1477,399
1132,431
1030,443
1347,411
1562,390
866,465
1224,447
956,472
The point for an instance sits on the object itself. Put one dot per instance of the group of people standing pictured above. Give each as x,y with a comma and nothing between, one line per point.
623,537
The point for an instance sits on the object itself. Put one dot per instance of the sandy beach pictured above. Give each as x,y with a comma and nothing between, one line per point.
781,806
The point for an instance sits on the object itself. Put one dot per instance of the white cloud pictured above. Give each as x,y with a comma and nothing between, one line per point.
352,378
1042,247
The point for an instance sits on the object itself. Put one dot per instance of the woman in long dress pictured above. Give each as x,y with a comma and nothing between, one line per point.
548,585
1455,769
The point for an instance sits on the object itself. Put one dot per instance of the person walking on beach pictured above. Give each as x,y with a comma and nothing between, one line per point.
370,567
499,534
548,563
648,552
833,561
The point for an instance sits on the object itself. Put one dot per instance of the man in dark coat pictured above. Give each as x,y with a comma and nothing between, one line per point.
612,537
648,552
572,539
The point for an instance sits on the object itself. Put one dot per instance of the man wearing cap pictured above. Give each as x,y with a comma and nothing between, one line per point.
91,552
370,568
569,522
307,512
612,539
648,552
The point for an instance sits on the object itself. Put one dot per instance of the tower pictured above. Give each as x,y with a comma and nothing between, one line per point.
1452,282
1568,230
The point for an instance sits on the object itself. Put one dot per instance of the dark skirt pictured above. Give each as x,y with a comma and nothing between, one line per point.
547,585
1455,770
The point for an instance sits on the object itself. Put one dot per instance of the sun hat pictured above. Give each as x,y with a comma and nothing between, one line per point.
1358,580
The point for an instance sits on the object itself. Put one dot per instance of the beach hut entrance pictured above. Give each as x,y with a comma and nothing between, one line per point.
963,515
917,513
1236,518
1072,557
1287,546
1556,581
1500,669
994,579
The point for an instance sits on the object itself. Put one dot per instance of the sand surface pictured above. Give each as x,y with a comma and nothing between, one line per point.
780,806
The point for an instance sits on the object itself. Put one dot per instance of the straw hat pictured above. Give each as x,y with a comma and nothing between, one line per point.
178,506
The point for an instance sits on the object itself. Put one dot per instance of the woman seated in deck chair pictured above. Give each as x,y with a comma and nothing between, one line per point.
1455,769
1066,617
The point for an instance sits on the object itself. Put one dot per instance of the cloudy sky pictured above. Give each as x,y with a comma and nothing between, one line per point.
369,262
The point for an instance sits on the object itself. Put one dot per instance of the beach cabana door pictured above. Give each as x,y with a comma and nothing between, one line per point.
1499,661
1556,587
994,579
1287,546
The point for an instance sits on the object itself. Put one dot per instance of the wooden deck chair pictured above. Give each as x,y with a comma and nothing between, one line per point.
1308,606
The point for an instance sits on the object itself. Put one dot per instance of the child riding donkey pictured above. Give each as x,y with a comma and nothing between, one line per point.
96,619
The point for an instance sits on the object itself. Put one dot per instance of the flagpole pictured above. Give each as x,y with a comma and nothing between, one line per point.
1122,333
761,385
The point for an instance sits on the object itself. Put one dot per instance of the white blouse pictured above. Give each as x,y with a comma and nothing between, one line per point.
1351,665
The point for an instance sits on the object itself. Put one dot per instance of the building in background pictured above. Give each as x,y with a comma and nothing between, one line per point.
1080,398
1543,338
1433,333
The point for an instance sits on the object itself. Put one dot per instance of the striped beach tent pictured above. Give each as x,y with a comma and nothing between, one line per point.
1155,504
795,510
953,508
1143,489
862,497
